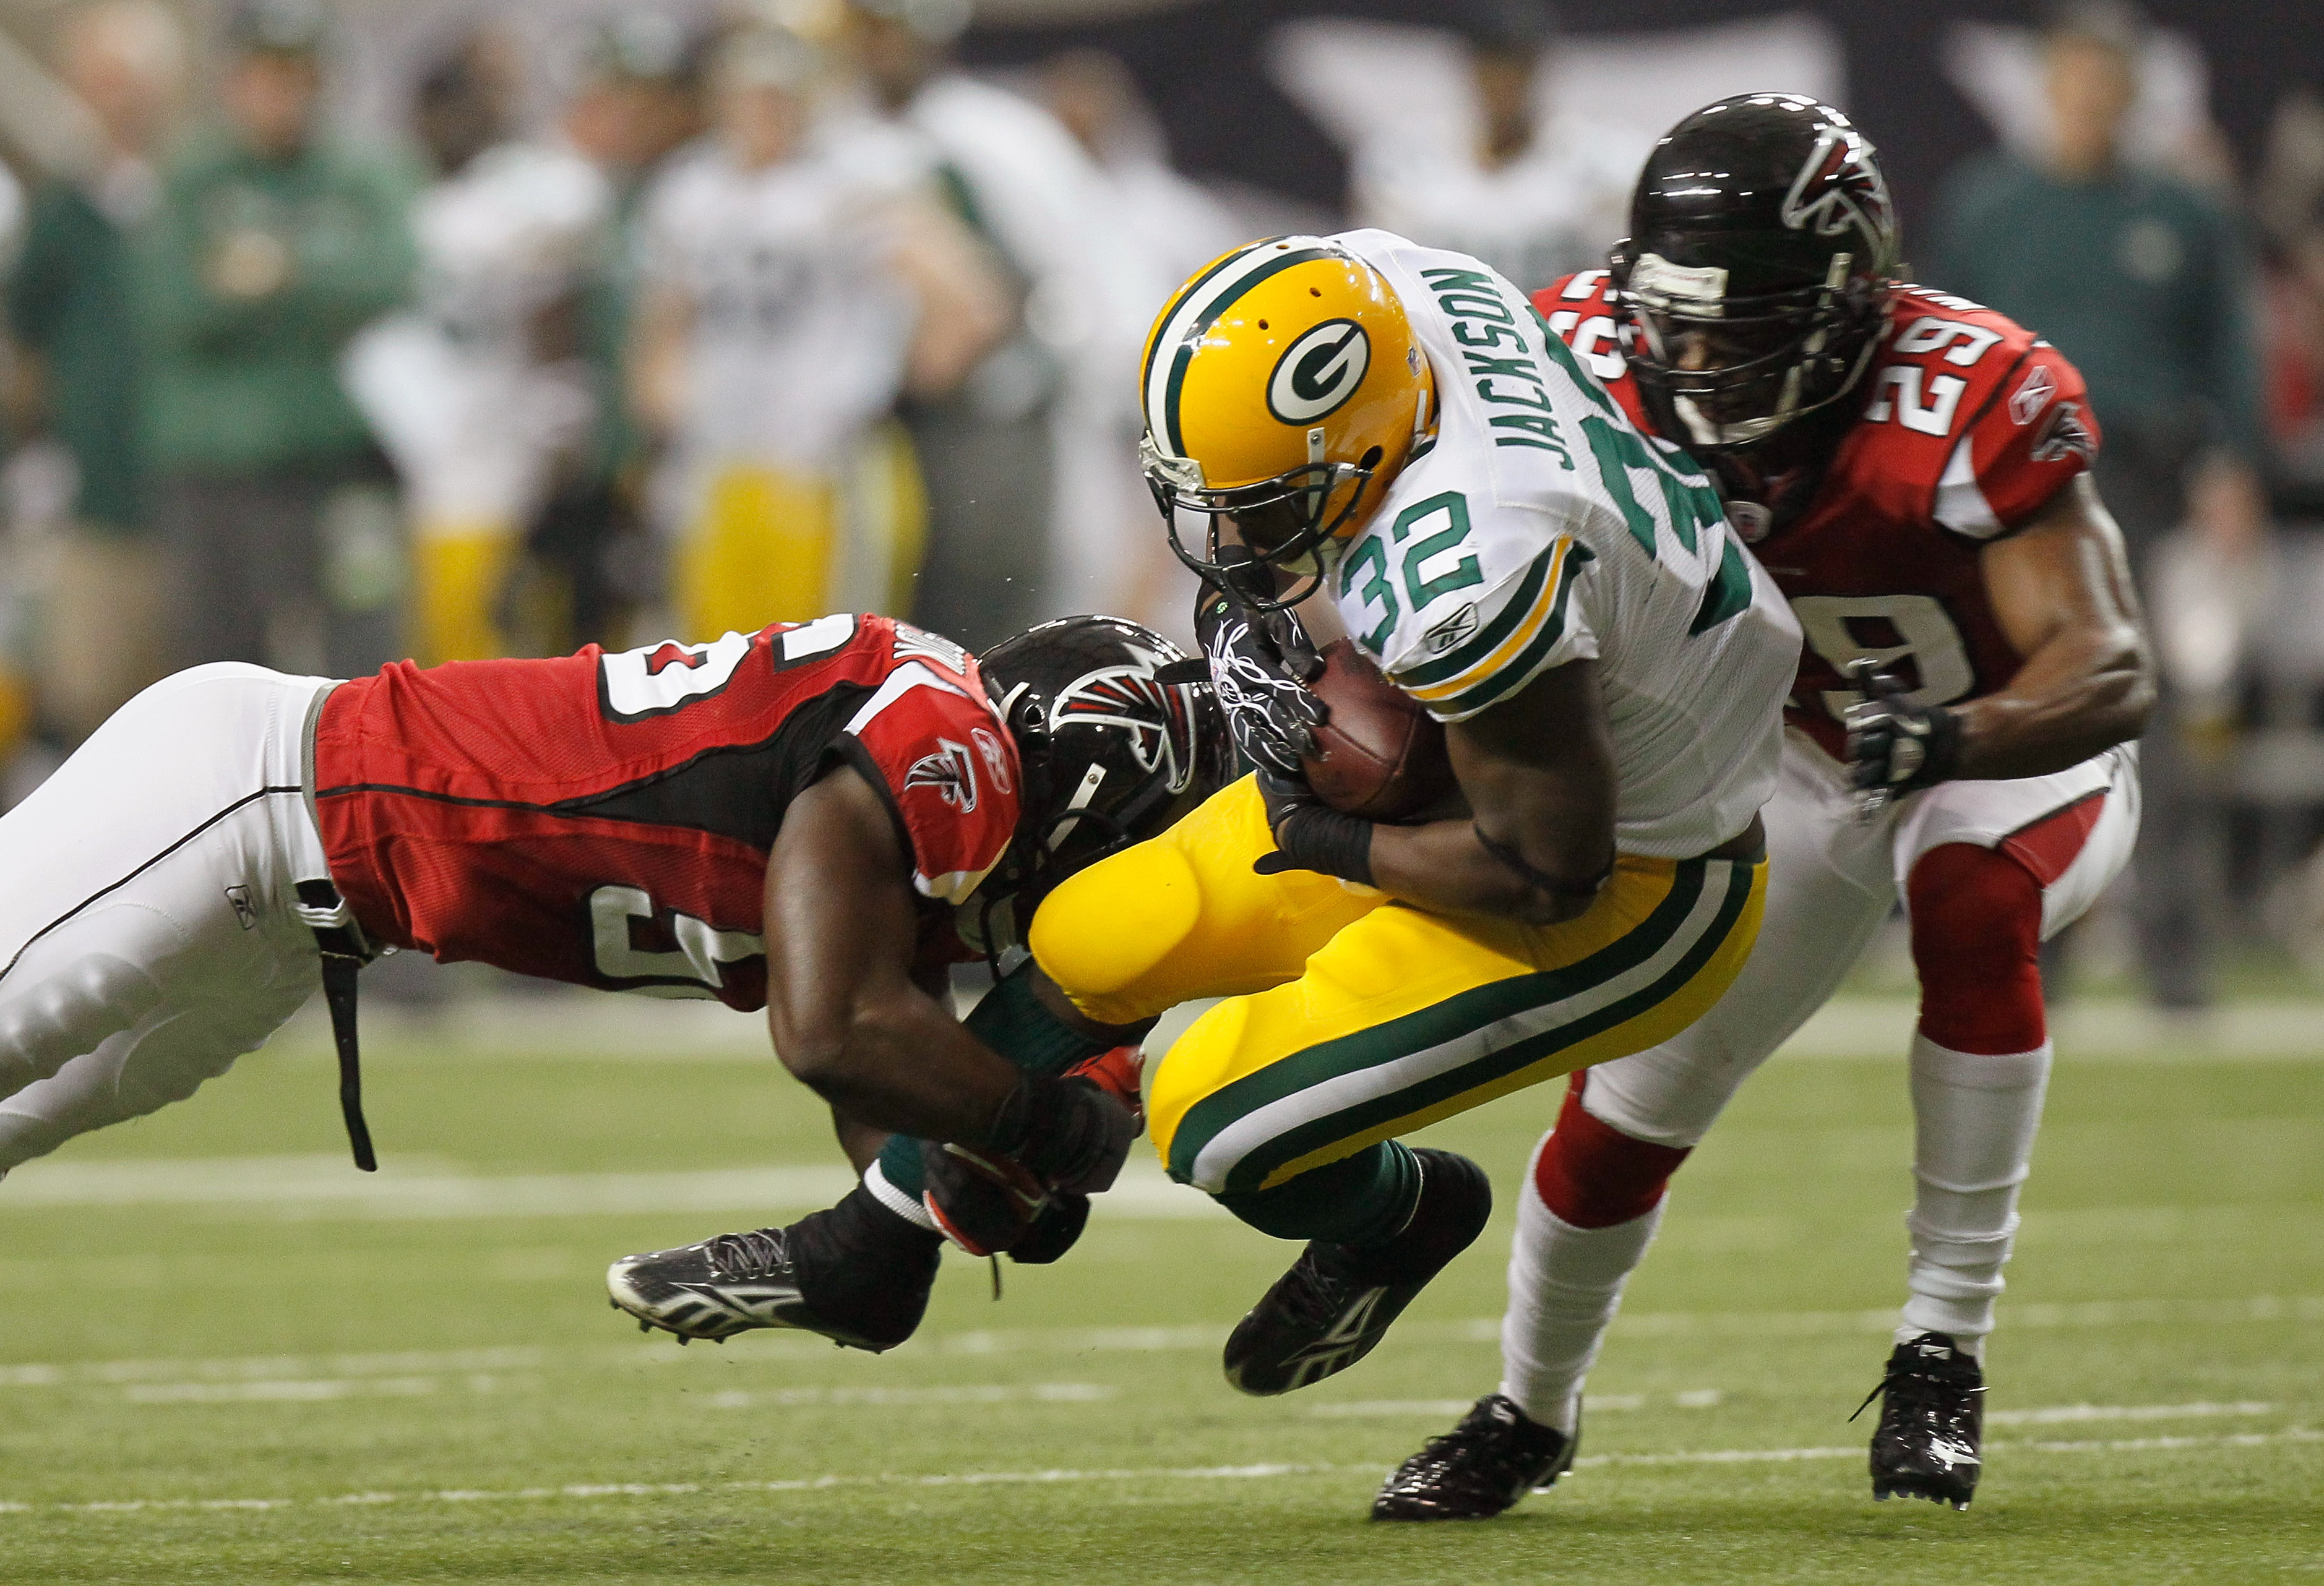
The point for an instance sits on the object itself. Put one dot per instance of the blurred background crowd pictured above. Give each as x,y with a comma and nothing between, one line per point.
343,331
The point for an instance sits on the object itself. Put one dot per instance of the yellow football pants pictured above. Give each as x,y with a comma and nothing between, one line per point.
1350,1018
461,572
773,545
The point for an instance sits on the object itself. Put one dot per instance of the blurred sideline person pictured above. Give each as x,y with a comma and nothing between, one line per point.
795,285
784,820
1912,469
274,244
1170,227
2147,285
591,558
1535,196
476,391
1002,489
72,317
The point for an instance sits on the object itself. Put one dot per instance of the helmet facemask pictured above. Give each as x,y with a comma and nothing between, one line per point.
1283,523
1726,373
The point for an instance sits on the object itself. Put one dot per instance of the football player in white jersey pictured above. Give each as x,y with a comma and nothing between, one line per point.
470,392
796,282
1393,424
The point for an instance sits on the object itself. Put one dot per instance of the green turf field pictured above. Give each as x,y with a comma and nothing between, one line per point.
227,1356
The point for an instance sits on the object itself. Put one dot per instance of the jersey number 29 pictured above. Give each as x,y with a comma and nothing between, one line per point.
1926,637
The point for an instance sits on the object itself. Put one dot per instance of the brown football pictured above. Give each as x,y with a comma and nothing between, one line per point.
1381,755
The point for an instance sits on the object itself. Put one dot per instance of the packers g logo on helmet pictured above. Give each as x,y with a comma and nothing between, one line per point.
1320,373
1282,388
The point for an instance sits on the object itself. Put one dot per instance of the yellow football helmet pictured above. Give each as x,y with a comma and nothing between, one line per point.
1280,384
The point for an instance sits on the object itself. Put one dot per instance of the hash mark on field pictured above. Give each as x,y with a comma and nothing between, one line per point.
1042,1477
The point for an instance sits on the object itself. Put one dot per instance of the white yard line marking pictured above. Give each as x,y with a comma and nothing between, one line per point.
980,1393
1597,1404
787,1348
1746,1456
1040,1477
322,1188
2059,1415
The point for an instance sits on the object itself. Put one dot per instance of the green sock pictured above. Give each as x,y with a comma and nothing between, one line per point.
1360,1200
1010,1021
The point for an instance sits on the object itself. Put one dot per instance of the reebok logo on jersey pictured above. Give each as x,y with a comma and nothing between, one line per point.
2031,395
1452,630
1319,373
2063,434
995,757
950,771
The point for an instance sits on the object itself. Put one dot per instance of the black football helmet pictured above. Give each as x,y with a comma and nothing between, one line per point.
1119,735
1755,280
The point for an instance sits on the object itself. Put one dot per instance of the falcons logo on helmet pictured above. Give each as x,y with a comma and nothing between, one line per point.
1839,186
1115,696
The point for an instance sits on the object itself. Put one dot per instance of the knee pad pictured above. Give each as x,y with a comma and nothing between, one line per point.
1101,932
1593,1176
1976,938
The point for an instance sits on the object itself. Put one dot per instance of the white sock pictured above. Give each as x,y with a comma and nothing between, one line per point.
1974,1119
1565,1283
906,1206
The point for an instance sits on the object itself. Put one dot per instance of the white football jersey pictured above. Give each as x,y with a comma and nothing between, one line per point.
1537,526
800,328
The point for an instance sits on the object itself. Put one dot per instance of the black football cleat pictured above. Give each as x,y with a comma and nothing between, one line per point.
1337,1301
1932,1419
857,1274
1493,1458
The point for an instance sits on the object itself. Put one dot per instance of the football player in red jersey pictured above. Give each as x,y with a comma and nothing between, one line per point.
1912,469
791,819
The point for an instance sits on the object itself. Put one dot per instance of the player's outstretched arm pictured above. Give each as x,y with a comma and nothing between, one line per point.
846,1012
850,1018
2061,591
1538,773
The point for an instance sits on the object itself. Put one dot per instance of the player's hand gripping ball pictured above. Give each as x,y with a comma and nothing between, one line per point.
1376,753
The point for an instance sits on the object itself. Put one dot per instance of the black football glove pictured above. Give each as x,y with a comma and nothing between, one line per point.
1310,835
1054,1231
1069,1134
1894,745
980,1200
1259,667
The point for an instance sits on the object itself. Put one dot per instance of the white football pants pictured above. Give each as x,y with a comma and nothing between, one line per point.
1832,879
147,932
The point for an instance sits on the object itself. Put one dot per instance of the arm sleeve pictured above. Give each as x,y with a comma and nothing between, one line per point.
2027,444
950,775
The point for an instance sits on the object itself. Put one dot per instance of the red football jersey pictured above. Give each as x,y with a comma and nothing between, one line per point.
606,819
1972,424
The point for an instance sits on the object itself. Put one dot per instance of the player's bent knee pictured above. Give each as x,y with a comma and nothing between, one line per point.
1102,931
1593,1176
1977,940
